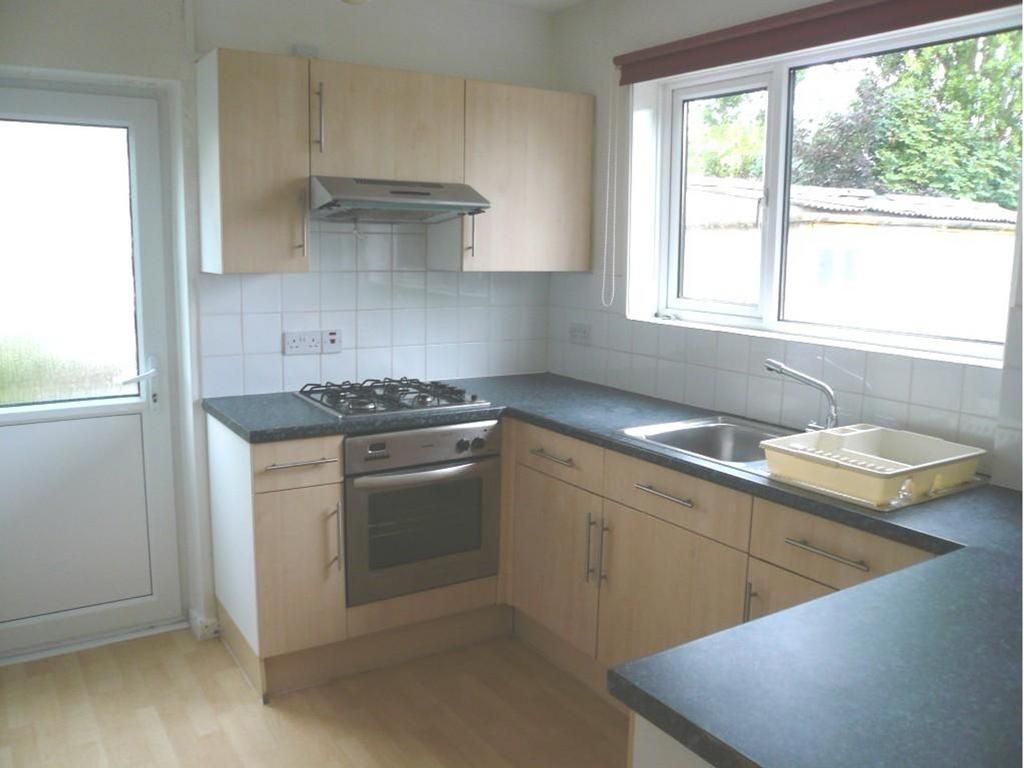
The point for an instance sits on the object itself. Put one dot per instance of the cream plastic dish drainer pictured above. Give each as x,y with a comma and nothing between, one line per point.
874,466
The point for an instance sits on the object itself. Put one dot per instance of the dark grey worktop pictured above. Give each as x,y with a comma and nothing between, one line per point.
918,668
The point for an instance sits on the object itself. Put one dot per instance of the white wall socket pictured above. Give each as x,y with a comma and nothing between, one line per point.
579,333
302,342
330,342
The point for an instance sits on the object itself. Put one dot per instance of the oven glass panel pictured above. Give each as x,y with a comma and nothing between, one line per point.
413,524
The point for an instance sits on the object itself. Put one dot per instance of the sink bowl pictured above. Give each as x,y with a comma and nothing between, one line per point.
726,439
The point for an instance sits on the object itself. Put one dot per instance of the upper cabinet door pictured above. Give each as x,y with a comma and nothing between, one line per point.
529,152
385,123
253,120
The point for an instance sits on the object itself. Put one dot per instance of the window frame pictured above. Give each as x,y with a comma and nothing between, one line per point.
658,105
674,258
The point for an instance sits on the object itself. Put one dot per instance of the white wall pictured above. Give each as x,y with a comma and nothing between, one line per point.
398,311
155,40
723,370
467,38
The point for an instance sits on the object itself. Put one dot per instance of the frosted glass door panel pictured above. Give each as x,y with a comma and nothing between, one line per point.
67,298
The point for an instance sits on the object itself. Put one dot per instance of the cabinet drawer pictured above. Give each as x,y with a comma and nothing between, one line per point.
563,457
823,550
705,508
296,463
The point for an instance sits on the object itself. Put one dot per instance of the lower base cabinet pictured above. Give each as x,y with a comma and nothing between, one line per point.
616,583
662,585
300,574
772,589
554,544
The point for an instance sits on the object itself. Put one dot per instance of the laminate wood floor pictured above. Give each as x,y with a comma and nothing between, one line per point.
168,700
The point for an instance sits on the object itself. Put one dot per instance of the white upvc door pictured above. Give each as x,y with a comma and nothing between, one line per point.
88,537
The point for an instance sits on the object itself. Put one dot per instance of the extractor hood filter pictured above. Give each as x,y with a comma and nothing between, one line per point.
391,202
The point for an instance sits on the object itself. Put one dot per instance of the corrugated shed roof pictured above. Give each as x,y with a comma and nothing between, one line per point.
851,200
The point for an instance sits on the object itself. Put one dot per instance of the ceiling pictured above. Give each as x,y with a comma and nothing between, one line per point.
541,5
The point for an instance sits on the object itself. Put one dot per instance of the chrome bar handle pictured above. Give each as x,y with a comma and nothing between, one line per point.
320,100
748,594
860,565
602,575
565,462
336,514
589,571
294,464
662,495
304,226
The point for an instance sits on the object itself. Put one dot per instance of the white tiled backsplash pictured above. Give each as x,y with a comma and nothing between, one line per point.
725,372
398,312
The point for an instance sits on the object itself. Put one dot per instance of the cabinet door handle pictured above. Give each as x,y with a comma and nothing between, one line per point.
565,462
662,495
320,100
294,464
336,514
472,235
748,595
589,570
304,219
602,575
860,565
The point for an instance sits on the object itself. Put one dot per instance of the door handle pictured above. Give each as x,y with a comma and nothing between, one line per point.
588,570
565,462
294,464
602,575
320,101
662,495
860,565
336,514
748,595
149,377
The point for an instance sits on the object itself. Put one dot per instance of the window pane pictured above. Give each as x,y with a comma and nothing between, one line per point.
723,183
67,297
904,178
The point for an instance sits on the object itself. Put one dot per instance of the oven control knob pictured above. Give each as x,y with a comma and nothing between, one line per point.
462,446
478,443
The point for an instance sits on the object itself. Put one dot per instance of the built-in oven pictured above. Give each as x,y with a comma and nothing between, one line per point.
421,509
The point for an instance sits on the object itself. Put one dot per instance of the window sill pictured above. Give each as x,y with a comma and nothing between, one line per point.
829,341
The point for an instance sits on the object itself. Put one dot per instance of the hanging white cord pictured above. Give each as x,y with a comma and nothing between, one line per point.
610,194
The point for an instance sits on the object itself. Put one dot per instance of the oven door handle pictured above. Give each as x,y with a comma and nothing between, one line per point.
406,479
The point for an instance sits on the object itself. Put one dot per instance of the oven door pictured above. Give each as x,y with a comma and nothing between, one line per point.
417,529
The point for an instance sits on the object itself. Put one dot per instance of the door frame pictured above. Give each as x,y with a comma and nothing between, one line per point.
140,110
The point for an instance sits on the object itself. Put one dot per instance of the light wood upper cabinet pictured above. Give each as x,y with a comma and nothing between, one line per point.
662,586
385,123
253,122
300,574
529,152
774,589
554,524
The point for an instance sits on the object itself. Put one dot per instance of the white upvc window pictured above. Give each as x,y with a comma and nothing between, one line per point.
808,195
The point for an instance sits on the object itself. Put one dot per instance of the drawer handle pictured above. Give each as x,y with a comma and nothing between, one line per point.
294,464
565,462
662,495
860,565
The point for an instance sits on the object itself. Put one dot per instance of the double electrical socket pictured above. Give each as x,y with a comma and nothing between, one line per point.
311,342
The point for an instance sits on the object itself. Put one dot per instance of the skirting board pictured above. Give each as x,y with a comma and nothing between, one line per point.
566,657
244,656
314,666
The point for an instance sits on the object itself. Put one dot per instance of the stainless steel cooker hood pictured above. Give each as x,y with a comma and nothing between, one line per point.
390,202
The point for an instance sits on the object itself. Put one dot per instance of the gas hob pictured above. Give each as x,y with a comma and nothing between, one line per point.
375,396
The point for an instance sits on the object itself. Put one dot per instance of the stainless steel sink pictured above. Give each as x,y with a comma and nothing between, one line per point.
726,439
